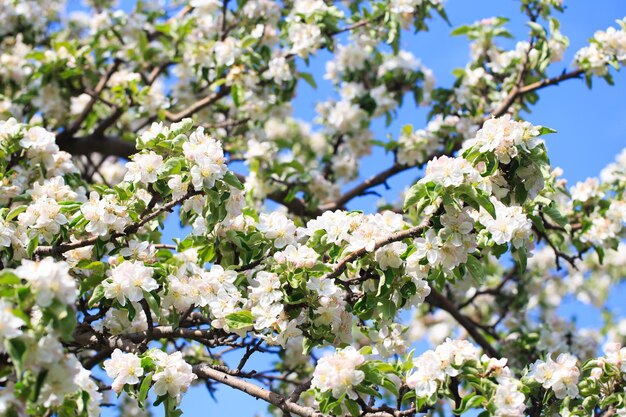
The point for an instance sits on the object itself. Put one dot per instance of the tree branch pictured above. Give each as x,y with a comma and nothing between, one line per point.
205,371
438,300
340,267
130,229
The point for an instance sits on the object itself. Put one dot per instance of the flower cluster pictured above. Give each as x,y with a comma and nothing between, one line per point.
173,375
339,373
450,172
607,46
128,281
509,225
49,281
505,138
124,368
432,367
561,375
208,159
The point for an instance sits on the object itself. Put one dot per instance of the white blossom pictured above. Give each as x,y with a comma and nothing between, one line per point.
128,280
339,373
124,368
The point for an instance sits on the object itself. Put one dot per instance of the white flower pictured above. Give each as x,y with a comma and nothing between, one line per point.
104,214
338,373
587,190
226,52
178,186
174,375
450,172
39,141
79,103
432,367
346,116
128,280
116,321
83,381
429,247
616,355
155,129
9,324
304,38
300,257
123,78
278,227
510,224
206,6
278,70
7,233
509,401
144,168
414,147
505,138
49,280
404,6
560,375
389,255
43,216
208,157
265,289
427,374
124,368
267,316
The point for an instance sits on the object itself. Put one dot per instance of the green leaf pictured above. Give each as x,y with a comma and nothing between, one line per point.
537,29
414,194
476,197
240,320
475,268
387,309
522,257
15,212
67,323
32,246
232,180
16,350
97,295
153,303
309,79
483,199
469,401
546,130
237,94
9,278
143,389
41,377
554,213
352,407
461,30
172,166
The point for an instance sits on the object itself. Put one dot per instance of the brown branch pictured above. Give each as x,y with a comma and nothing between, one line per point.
383,176
517,92
438,300
340,267
198,105
361,188
92,101
130,229
357,25
284,403
288,406
108,146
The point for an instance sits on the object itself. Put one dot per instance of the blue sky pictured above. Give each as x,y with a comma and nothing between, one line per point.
591,127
